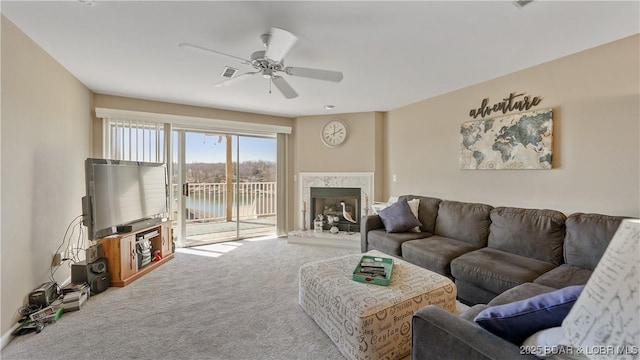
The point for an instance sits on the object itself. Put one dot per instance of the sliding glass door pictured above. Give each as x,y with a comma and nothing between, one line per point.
256,187
226,186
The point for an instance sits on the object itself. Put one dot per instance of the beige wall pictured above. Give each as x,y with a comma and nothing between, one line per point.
46,120
357,154
595,100
361,153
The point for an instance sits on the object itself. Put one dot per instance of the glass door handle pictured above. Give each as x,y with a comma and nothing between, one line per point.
185,189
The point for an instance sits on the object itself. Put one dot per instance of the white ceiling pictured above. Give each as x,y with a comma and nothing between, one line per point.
391,53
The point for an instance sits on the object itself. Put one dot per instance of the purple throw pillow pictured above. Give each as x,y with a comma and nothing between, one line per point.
398,217
518,320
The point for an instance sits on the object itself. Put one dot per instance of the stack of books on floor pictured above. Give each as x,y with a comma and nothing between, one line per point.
74,295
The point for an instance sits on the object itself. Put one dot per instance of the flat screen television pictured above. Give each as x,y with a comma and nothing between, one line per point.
123,196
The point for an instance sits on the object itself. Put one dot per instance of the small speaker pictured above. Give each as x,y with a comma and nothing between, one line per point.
95,274
99,282
98,266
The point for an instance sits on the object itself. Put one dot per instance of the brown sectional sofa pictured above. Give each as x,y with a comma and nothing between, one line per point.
488,250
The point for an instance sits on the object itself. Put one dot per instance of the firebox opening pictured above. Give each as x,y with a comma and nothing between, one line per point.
328,203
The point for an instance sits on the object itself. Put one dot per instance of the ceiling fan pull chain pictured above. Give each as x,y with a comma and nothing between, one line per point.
270,82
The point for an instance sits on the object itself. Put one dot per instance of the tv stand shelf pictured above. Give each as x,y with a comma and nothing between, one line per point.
122,257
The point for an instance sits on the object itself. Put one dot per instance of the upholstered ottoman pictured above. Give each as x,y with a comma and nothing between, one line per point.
368,321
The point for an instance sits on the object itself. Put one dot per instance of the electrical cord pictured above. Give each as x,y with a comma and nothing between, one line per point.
76,222
80,245
29,308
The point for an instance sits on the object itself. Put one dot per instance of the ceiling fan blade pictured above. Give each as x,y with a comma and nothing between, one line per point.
328,75
280,42
236,79
284,87
209,51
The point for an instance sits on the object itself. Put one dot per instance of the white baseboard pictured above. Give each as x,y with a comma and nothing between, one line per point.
325,238
7,337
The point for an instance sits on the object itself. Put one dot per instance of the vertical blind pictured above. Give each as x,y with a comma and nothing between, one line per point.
134,140
150,141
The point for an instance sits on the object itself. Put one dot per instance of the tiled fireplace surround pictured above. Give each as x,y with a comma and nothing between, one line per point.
307,180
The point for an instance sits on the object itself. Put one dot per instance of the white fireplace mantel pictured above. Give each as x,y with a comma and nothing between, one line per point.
307,180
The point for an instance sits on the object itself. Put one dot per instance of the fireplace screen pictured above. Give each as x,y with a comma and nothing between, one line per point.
338,206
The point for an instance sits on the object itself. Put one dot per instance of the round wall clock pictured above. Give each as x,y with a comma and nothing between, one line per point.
334,133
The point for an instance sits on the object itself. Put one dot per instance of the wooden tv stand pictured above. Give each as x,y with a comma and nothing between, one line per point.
122,257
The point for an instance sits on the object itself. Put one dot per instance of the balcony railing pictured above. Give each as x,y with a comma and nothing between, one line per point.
208,201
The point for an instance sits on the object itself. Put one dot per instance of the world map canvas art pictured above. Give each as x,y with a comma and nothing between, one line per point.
520,141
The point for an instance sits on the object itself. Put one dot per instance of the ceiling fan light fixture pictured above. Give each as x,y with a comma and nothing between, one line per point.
265,39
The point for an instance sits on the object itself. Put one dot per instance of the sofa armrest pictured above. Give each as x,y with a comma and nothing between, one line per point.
368,223
438,334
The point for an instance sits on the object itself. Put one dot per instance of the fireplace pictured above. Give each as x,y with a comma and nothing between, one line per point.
358,180
327,201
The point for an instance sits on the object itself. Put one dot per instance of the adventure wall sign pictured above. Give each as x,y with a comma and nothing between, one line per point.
512,103
513,141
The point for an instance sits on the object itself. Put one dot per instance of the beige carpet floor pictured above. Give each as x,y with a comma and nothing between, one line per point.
236,300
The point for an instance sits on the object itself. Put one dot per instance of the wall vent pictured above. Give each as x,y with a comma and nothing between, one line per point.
228,72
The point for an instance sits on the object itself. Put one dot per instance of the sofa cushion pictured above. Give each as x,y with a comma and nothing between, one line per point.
470,294
427,211
390,243
468,222
564,275
435,253
497,271
532,233
398,217
587,237
520,292
473,311
520,319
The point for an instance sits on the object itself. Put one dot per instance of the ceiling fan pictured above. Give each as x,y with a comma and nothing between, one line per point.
270,63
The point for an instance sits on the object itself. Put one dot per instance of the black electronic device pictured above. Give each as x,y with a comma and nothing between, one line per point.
124,228
27,327
123,196
94,274
44,294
